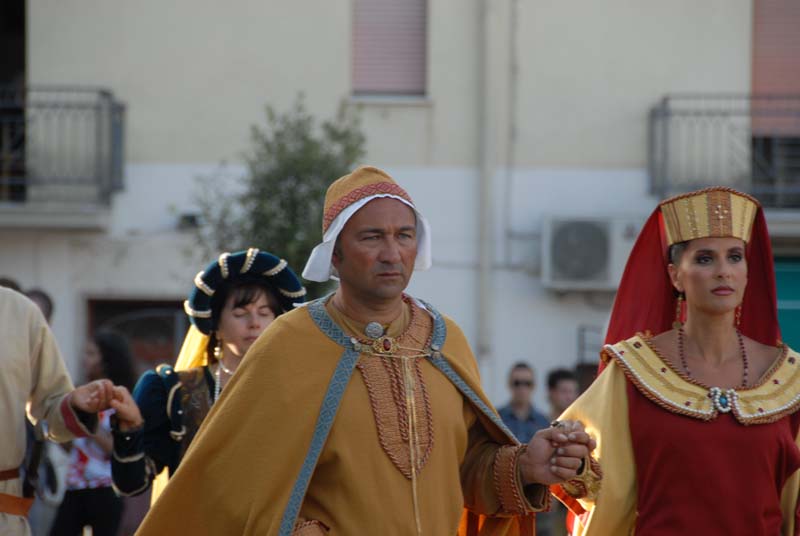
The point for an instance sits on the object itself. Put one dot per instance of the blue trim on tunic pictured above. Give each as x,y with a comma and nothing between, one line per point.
330,405
333,397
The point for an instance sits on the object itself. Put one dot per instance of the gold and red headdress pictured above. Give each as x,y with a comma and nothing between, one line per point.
646,300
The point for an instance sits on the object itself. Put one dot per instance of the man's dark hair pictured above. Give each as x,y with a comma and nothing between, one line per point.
37,294
9,283
520,365
559,375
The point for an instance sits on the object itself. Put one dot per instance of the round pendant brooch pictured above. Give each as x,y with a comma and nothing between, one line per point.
373,330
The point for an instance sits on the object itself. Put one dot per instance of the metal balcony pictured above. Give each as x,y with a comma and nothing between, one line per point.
748,142
61,155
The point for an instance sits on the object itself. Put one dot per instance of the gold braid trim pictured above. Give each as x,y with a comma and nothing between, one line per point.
310,527
507,483
586,485
385,380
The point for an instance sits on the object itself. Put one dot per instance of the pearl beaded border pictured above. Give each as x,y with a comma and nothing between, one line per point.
272,272
249,260
199,283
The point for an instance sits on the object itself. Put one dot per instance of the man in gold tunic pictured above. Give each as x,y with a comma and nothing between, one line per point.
362,413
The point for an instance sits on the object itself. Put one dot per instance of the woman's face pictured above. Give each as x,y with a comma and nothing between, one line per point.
93,362
712,272
239,327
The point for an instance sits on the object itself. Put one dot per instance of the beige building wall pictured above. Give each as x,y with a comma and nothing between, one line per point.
193,73
589,72
570,83
197,73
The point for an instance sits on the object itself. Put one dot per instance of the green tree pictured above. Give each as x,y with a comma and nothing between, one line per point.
290,163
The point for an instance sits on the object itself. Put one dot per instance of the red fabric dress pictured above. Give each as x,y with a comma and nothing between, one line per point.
709,477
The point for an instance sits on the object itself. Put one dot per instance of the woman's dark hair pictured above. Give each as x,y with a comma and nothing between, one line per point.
676,252
244,292
117,358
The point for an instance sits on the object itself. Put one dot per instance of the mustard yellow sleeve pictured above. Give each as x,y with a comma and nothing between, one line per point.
603,409
789,497
491,480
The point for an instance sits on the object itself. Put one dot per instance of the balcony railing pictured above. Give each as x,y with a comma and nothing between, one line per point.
749,142
60,145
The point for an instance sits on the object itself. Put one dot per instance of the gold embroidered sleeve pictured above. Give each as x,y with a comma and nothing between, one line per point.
514,497
491,482
587,484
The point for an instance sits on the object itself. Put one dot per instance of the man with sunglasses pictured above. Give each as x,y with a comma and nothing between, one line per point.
519,415
524,421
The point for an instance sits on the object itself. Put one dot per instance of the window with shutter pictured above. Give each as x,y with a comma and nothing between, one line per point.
776,109
389,47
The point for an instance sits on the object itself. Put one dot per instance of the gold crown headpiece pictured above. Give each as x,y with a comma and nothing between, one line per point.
712,212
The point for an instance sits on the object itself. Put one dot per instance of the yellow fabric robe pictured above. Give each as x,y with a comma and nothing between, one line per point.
238,473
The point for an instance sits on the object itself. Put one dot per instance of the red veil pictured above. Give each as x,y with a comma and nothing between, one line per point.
645,300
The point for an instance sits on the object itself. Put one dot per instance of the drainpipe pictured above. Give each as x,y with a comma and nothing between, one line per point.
483,348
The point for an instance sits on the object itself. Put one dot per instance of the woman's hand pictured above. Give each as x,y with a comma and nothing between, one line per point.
128,415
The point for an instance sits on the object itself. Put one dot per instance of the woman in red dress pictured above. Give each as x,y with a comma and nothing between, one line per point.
697,425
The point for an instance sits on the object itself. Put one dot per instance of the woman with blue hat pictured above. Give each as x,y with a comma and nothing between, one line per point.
232,302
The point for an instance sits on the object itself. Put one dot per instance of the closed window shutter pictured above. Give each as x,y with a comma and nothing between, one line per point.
389,47
776,65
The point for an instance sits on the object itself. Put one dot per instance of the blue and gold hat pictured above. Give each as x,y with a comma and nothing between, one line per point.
253,265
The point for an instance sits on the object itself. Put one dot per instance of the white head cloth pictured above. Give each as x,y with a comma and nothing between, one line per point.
319,267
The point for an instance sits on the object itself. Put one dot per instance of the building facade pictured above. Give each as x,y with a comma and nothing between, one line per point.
535,135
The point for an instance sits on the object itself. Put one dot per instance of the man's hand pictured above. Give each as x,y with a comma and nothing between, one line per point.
128,415
555,454
93,397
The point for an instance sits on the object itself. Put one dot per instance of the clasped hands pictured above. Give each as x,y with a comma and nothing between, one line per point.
556,454
101,395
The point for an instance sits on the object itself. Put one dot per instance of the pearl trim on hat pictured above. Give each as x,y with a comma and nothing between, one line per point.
249,260
272,272
223,265
197,314
199,283
289,294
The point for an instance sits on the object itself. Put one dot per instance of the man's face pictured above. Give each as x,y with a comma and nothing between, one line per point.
376,250
521,384
563,394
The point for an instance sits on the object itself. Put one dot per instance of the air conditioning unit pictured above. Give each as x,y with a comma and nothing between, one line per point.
586,254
